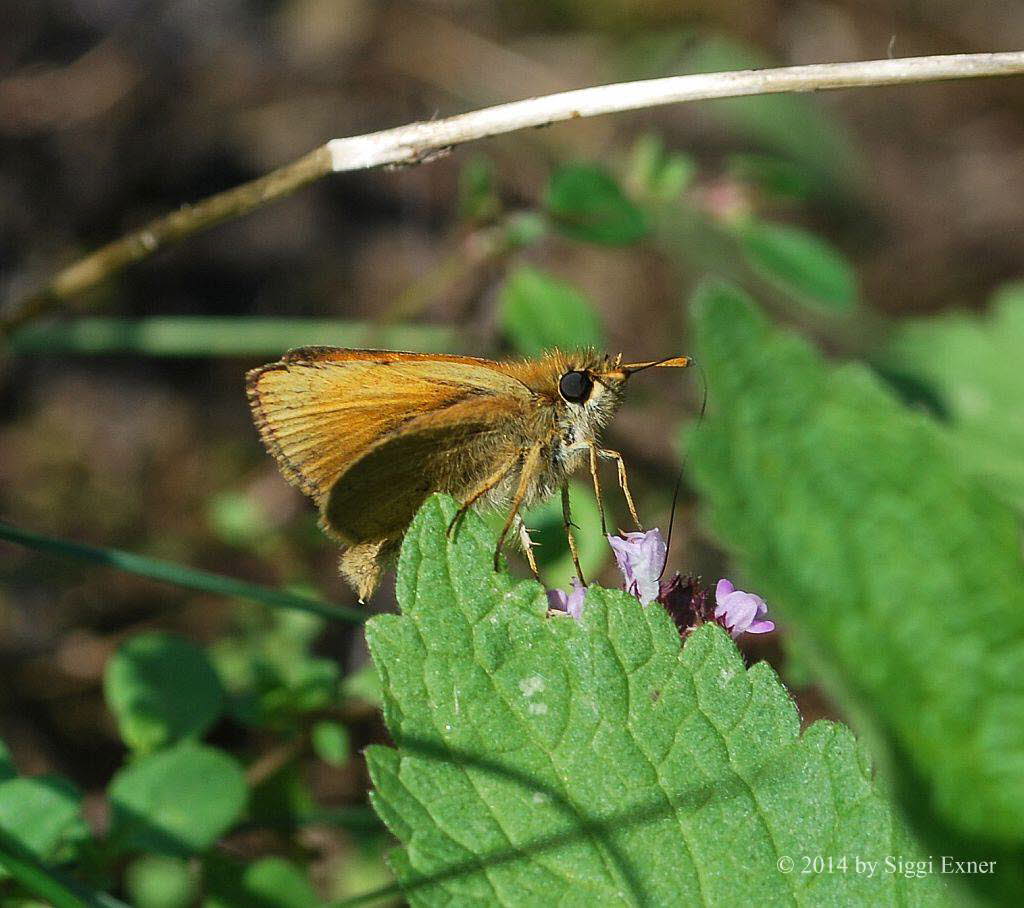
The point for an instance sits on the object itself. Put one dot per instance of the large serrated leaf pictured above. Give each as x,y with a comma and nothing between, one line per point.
852,515
542,760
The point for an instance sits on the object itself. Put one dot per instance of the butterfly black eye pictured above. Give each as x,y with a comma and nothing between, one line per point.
575,387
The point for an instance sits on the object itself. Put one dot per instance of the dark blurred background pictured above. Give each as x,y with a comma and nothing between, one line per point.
114,112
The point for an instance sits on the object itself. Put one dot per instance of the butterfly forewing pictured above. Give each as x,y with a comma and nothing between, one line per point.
320,410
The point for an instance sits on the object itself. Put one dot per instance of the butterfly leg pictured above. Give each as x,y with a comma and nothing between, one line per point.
567,524
527,543
597,488
527,474
623,482
480,491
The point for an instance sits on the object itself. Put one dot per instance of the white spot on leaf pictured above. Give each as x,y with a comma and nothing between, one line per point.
532,685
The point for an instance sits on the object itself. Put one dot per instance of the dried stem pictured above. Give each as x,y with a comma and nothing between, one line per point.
420,142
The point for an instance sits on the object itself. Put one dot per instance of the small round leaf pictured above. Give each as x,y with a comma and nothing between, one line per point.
156,881
177,801
587,204
331,742
801,264
40,812
161,688
539,312
277,883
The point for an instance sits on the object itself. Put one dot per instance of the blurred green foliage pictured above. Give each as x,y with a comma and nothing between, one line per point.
176,801
331,742
800,263
271,676
161,688
655,175
478,194
271,882
218,336
539,312
159,881
972,364
587,204
43,814
790,125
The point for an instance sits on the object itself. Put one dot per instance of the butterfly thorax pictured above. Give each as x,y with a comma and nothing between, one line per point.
565,429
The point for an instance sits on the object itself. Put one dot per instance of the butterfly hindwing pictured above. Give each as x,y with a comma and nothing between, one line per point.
450,450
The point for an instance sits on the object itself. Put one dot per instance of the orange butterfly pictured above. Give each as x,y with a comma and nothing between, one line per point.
369,434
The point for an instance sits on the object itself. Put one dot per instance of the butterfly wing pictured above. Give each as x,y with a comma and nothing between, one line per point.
450,450
320,409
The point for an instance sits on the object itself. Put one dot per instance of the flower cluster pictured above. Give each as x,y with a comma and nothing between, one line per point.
641,558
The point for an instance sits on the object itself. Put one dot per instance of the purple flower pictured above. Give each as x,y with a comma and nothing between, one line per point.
739,612
571,602
641,558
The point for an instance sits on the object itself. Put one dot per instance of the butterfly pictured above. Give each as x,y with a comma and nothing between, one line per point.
370,434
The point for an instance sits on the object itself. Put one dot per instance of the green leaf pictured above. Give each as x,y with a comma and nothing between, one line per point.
331,742
270,882
801,264
587,204
177,801
478,199
539,312
542,760
775,176
364,685
657,175
156,881
973,363
277,883
161,688
901,577
40,813
552,551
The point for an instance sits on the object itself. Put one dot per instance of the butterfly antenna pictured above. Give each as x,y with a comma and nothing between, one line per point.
682,468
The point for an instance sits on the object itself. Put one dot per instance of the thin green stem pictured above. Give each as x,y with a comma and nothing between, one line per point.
177,574
46,882
220,336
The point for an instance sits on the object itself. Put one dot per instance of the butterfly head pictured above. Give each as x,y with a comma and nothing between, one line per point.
590,388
